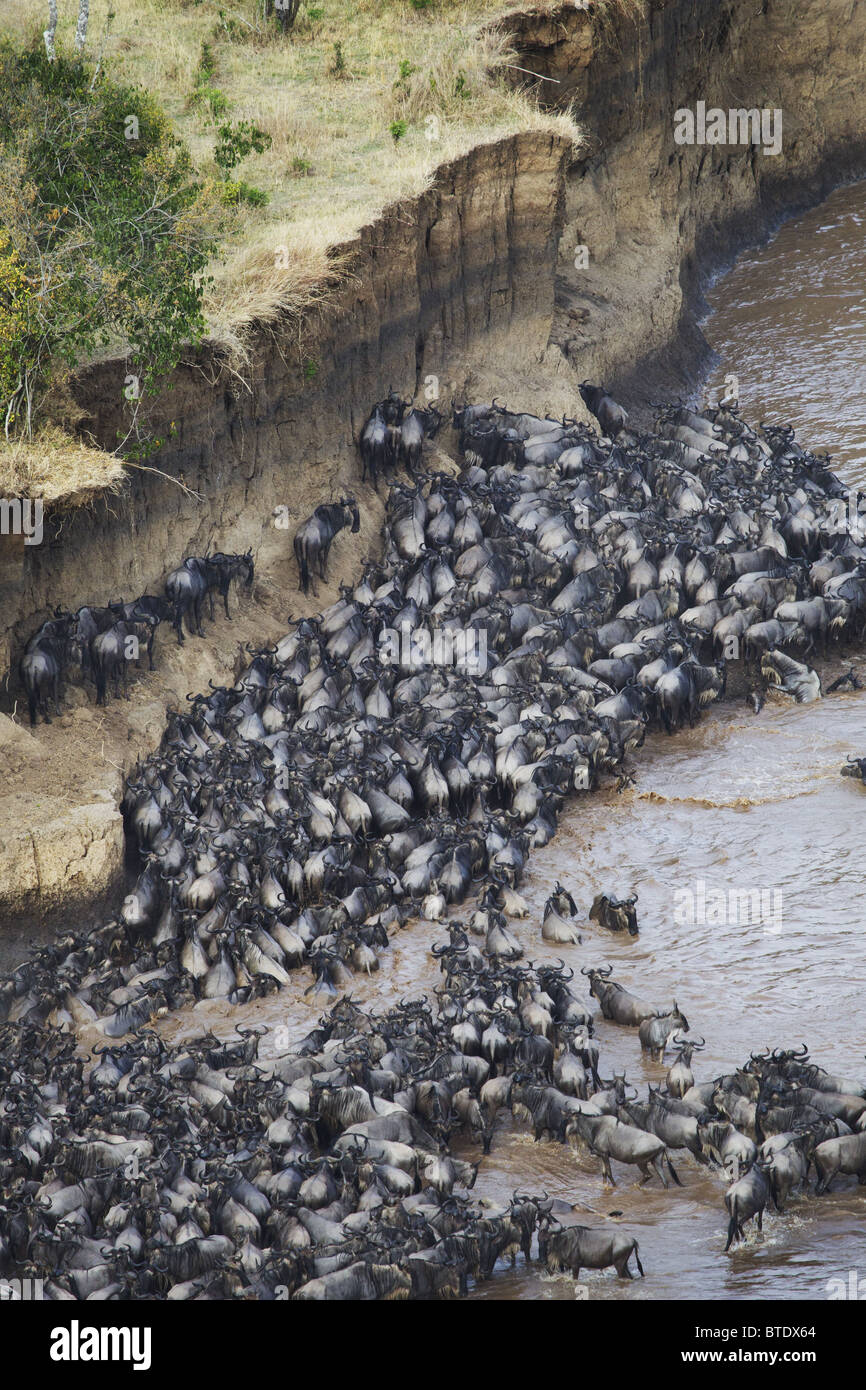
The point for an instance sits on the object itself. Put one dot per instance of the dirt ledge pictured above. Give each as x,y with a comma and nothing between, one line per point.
474,282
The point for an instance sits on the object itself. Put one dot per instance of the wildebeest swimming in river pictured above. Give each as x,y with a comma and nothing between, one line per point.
314,537
855,767
293,817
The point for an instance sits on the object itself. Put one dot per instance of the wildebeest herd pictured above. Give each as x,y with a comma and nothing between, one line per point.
334,792
102,641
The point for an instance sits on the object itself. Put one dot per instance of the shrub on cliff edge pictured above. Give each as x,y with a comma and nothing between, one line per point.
105,230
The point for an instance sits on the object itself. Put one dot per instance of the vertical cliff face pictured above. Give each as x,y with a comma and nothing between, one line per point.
656,216
477,282
462,271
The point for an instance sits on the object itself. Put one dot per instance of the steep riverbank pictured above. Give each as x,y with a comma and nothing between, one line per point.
473,282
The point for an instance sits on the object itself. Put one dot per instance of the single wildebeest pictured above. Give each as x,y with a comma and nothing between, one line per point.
616,1002
314,538
584,1247
609,415
680,1078
111,652
86,623
607,1138
654,1032
617,914
682,693
413,428
555,926
744,1199
186,588
229,567
358,1282
374,446
786,1163
42,664
791,677
847,1154
855,767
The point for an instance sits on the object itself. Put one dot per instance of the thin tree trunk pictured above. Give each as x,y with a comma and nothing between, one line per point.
81,29
49,33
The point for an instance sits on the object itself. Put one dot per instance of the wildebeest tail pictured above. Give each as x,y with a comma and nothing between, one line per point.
637,1259
672,1170
732,1232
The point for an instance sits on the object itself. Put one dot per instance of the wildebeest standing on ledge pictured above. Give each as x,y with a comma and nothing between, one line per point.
609,415
313,538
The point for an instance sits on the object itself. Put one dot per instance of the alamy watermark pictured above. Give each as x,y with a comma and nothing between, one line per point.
22,516
21,1290
464,648
702,905
736,126
852,1288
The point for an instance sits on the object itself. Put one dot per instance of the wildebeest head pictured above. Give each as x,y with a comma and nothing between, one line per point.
352,507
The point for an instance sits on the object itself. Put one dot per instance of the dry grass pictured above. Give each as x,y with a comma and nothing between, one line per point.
333,164
56,467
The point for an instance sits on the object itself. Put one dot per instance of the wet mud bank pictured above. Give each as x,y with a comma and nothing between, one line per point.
473,282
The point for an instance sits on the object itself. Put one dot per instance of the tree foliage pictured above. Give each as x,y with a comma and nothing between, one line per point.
105,230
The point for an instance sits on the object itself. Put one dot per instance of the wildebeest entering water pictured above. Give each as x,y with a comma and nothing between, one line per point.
294,819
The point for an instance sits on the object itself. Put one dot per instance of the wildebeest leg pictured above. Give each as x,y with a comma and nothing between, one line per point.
56,694
621,1266
657,1165
606,1174
199,626
225,594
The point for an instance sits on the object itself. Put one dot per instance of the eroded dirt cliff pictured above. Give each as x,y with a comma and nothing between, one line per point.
473,283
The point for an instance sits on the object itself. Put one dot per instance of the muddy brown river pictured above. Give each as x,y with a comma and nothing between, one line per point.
745,804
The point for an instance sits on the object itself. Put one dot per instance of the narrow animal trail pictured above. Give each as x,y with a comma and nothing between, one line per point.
527,621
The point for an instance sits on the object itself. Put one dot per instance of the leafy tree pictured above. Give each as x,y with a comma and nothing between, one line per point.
105,230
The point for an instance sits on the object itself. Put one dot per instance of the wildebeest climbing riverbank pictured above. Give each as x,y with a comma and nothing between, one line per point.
287,821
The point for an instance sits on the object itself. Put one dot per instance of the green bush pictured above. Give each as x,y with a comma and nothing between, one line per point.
105,230
236,140
235,191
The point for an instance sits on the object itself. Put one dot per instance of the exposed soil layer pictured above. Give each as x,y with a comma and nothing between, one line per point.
474,283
